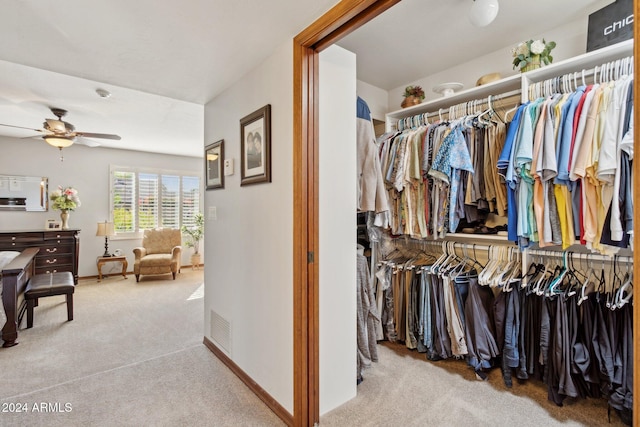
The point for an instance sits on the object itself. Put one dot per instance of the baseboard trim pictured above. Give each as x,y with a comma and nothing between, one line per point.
278,409
130,273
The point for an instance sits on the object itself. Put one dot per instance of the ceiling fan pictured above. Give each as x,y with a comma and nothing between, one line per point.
62,134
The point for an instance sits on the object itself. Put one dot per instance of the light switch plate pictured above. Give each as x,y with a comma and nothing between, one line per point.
228,167
213,213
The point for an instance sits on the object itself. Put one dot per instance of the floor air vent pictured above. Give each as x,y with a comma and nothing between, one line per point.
221,331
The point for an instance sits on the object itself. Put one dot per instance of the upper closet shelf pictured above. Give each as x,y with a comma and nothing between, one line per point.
518,81
580,62
494,88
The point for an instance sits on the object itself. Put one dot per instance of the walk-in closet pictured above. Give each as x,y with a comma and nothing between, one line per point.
495,245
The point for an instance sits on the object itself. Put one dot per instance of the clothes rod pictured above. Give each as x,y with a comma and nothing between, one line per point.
588,255
568,82
421,244
420,119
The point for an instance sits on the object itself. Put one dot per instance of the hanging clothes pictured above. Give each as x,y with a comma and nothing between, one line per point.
567,165
371,191
438,174
366,317
569,329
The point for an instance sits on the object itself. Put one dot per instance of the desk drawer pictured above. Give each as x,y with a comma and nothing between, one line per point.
58,235
20,239
55,249
53,269
53,260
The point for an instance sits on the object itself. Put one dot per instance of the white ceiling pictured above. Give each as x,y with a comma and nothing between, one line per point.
163,59
418,38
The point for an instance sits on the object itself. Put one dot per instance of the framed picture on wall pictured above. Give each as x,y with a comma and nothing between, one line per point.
255,147
213,165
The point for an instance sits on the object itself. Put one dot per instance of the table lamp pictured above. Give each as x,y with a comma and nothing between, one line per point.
105,229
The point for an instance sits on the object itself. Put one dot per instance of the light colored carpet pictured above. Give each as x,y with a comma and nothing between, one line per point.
405,389
134,356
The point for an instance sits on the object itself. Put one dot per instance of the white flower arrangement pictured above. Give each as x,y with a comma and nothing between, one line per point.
532,51
65,199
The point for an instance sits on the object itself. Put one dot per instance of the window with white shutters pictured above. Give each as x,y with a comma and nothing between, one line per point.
190,199
123,206
170,196
145,199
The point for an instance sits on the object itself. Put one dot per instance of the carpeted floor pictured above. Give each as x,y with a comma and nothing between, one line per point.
133,356
405,389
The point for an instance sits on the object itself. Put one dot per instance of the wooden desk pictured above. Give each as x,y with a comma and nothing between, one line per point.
103,260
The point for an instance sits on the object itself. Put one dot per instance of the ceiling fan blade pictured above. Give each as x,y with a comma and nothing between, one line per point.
32,137
99,135
88,142
22,127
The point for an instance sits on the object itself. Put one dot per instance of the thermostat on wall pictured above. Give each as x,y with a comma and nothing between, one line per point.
228,167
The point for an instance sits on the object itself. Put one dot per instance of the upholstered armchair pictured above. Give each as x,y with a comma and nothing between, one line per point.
159,254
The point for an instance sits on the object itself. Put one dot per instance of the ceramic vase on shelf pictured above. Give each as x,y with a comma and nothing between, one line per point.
410,100
533,65
64,216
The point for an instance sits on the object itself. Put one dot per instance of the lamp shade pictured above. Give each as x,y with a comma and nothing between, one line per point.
58,141
483,12
105,229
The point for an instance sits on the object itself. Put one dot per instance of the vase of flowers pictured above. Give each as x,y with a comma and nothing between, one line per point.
531,54
65,199
413,95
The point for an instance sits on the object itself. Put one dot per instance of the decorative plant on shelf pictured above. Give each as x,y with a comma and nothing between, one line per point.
195,233
412,95
414,91
530,54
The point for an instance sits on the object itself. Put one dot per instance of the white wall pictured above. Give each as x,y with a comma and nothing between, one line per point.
86,169
377,99
337,227
571,40
249,252
249,272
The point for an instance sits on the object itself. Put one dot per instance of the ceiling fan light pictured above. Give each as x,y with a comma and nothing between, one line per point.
483,12
58,141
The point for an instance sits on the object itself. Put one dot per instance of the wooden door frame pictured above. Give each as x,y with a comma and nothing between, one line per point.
339,21
636,218
342,19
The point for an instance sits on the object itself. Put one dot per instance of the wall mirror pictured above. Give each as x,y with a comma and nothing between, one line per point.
24,193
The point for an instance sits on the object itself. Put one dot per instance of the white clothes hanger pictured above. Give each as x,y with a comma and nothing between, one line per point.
485,273
625,292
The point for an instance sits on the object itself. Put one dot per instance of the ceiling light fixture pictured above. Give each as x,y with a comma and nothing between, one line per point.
58,141
483,12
